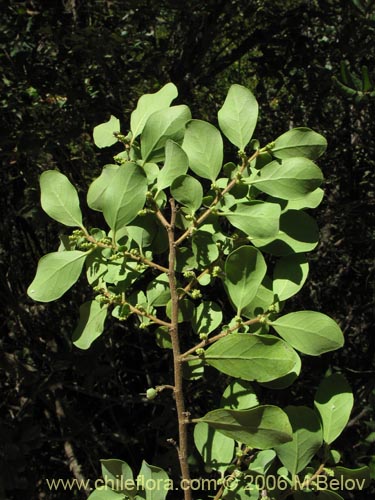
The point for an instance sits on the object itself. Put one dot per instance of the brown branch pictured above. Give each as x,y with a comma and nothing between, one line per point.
203,217
151,317
177,364
190,285
137,258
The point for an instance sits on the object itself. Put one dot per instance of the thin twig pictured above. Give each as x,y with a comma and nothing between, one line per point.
203,217
177,364
219,336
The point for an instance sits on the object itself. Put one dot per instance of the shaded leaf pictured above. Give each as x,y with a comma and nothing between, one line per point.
148,104
261,427
245,269
307,439
334,403
251,357
91,323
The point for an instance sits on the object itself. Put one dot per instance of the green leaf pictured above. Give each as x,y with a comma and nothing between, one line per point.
59,198
95,194
298,233
301,141
142,230
289,275
353,479
328,495
124,196
204,248
257,219
163,337
105,493
163,125
204,146
207,317
193,369
118,476
239,395
261,427
91,323
238,116
154,481
307,439
216,449
245,269
185,311
334,403
158,291
310,200
262,461
263,299
187,191
289,378
251,357
310,332
104,133
289,179
176,164
56,273
148,104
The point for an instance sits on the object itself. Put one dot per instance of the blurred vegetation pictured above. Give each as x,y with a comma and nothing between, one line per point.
65,66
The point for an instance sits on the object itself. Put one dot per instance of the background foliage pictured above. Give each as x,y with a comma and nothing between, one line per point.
65,67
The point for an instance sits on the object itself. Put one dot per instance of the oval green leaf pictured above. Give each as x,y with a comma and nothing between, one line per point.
157,479
238,116
163,125
298,233
261,427
207,317
251,357
95,194
289,179
245,269
91,323
104,133
204,147
187,191
307,439
300,141
148,104
334,403
59,198
106,493
310,332
289,275
56,273
354,479
124,196
176,164
257,219
215,448
239,395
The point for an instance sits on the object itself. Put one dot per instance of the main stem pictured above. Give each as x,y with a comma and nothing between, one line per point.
177,363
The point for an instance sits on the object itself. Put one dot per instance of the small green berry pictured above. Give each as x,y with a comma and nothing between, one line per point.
151,393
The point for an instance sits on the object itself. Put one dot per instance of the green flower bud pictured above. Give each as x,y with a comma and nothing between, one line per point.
151,393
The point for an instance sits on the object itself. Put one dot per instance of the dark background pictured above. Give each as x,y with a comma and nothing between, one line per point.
65,67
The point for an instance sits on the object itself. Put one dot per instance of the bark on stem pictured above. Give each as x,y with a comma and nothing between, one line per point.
177,363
